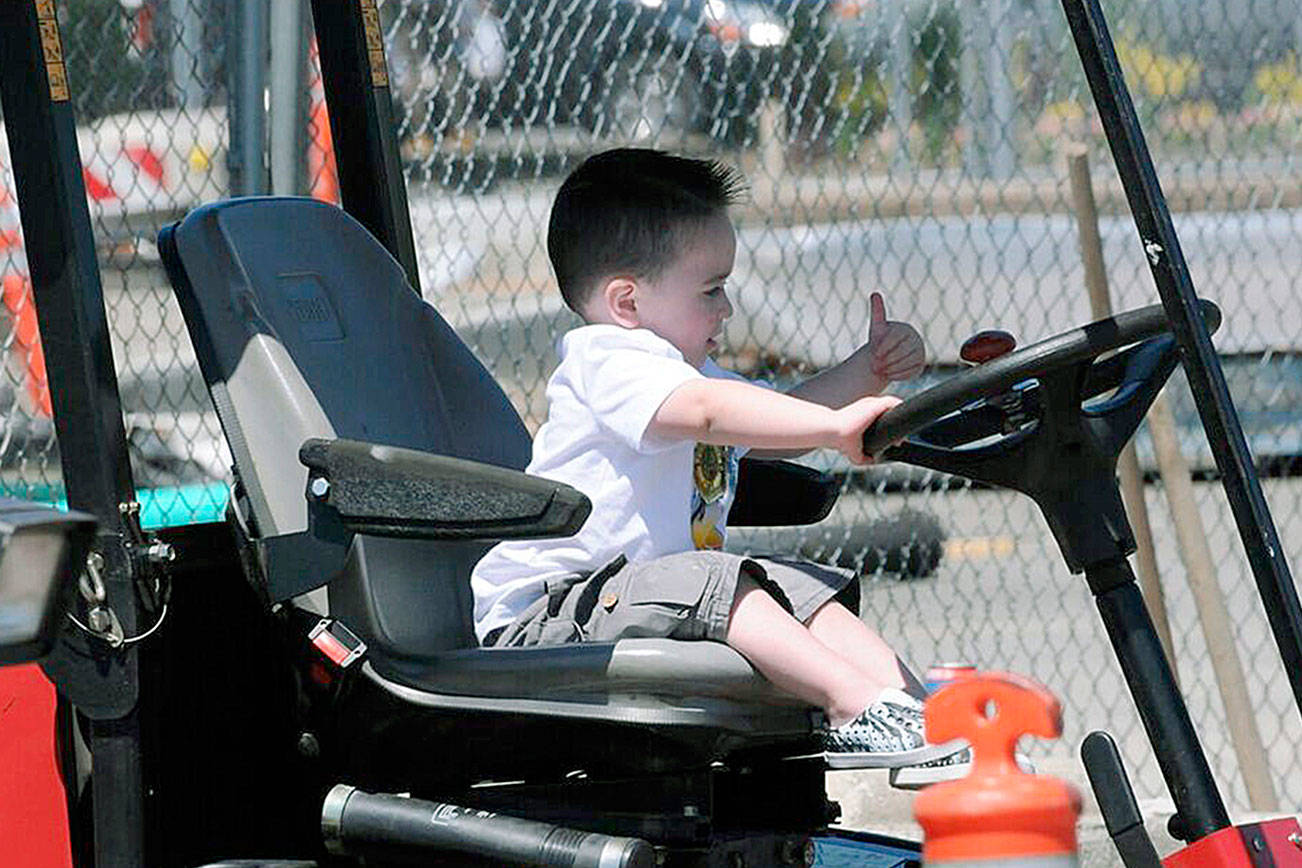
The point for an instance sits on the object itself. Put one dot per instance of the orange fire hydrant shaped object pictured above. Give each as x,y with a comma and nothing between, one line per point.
998,812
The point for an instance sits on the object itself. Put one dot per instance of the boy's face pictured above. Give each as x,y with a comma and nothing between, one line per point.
687,304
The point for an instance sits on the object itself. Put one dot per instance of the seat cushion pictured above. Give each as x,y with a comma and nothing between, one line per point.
664,668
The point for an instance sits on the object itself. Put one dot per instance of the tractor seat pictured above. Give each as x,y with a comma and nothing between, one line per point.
376,460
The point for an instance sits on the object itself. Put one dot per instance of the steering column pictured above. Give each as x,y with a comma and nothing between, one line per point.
1049,421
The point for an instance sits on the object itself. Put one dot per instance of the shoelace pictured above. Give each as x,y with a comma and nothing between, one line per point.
906,718
910,720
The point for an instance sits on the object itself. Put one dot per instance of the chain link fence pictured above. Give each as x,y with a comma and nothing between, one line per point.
913,147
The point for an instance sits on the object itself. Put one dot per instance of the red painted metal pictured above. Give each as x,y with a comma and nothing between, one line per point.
1228,848
33,810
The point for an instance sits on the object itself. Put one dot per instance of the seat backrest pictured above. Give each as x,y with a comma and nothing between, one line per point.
305,326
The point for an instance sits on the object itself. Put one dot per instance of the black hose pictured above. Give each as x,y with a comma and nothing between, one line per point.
355,823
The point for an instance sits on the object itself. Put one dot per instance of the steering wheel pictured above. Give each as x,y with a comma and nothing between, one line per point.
1026,420
1067,360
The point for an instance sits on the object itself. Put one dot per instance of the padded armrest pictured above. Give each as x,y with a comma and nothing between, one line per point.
389,491
771,493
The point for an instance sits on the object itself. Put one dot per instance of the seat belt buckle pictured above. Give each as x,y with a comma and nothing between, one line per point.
336,642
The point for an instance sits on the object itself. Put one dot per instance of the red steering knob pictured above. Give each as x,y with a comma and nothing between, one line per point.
986,345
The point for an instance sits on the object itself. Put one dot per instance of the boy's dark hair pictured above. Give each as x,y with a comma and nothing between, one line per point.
625,211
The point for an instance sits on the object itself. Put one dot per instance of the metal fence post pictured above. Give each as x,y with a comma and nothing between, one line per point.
246,48
901,94
969,71
1001,129
186,57
286,97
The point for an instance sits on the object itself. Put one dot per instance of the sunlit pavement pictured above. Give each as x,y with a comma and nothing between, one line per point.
1002,598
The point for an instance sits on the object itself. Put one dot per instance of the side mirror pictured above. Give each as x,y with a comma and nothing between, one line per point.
42,552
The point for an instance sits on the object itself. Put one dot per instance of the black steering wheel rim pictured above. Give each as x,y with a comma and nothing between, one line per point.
1074,347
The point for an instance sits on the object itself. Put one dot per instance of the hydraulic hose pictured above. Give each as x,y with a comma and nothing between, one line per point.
355,823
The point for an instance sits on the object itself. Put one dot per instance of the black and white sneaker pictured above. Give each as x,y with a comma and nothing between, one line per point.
950,768
947,768
889,735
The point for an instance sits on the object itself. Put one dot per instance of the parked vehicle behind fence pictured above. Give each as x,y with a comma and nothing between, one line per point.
623,69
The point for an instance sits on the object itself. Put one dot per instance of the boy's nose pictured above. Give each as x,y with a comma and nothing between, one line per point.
727,307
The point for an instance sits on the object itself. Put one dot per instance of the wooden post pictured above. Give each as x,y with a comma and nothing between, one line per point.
1190,534
1132,481
1197,558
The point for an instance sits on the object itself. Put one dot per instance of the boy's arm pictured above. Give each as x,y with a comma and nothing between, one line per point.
851,379
894,352
732,413
832,388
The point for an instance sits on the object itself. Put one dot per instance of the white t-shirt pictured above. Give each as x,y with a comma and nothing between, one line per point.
649,497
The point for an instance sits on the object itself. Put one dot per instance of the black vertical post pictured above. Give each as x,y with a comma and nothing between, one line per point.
356,78
1161,710
103,684
1203,368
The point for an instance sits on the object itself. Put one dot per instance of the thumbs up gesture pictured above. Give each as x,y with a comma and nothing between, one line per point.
895,350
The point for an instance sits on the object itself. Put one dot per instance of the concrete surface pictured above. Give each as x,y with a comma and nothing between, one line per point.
868,803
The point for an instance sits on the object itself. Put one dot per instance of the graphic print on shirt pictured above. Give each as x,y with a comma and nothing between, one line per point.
714,479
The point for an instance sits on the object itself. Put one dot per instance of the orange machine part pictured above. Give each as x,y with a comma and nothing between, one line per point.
997,811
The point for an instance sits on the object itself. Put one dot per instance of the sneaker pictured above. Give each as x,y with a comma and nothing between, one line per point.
889,735
951,768
947,768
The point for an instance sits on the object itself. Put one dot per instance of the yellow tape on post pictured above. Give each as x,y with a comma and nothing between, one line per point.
374,43
47,22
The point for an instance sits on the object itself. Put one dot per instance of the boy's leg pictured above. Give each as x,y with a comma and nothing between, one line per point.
858,645
788,654
874,723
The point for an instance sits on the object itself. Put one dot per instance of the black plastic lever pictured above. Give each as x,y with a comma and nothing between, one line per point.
1117,803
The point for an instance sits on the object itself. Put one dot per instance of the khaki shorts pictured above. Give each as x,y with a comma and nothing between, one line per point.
683,596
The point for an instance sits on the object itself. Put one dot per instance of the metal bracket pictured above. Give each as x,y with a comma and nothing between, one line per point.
147,560
101,621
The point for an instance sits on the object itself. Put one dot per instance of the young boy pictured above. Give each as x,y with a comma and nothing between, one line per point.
643,422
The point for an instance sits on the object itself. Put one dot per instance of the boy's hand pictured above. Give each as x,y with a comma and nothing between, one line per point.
855,419
895,349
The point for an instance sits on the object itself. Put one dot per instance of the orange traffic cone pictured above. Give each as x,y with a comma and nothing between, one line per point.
322,173
27,341
998,813
17,295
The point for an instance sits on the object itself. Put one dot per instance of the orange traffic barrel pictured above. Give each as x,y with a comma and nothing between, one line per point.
17,295
998,814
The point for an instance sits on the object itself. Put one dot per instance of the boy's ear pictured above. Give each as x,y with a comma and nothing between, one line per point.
618,301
